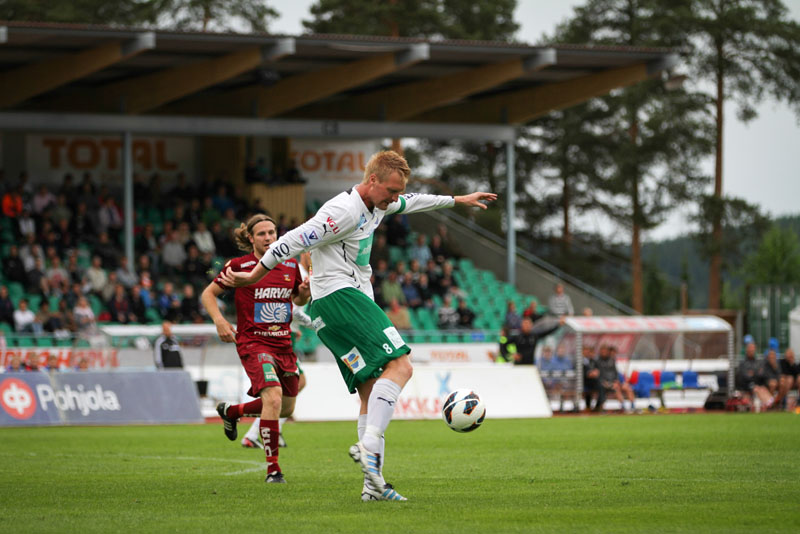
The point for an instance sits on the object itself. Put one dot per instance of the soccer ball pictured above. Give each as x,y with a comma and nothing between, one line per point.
463,410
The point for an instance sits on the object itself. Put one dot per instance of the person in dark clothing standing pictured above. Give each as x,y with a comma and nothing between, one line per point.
527,339
167,351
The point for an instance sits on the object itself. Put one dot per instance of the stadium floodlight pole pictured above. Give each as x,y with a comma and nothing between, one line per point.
511,233
127,179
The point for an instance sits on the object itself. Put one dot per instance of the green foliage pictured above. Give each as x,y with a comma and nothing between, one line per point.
113,12
777,259
742,223
217,15
447,19
676,473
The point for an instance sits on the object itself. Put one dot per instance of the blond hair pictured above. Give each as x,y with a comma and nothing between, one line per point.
384,163
242,234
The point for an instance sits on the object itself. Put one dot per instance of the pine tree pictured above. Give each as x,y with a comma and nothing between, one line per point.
749,49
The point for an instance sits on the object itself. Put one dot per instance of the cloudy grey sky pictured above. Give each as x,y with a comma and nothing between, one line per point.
761,161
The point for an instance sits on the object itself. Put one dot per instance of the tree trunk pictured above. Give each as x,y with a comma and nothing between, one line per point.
637,296
715,267
566,235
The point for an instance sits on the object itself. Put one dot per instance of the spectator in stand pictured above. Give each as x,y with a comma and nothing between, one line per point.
190,306
448,316
438,252
67,188
195,268
222,240
120,307
6,307
411,293
126,276
107,250
60,211
506,349
527,339
36,275
203,239
154,191
96,275
12,203
56,275
71,297
26,225
42,201
425,291
138,305
182,189
184,234
587,312
609,379
194,213
398,315
84,317
532,311
84,223
512,319
420,251
747,370
110,217
415,270
147,243
465,316
282,227
25,319
222,201
108,290
86,195
789,371
173,255
32,362
391,289
15,365
64,236
396,230
169,304
445,280
559,303
380,251
229,223
52,364
30,251
50,320
13,266
549,368
381,271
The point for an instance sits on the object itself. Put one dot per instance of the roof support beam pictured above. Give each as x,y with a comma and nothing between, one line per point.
303,89
150,91
408,100
518,107
30,80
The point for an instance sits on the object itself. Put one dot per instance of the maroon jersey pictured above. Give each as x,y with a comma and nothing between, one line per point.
264,309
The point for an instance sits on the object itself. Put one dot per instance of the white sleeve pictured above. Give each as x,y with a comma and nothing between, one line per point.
157,352
416,202
333,222
301,317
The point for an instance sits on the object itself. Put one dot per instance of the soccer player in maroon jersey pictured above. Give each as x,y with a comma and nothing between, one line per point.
262,336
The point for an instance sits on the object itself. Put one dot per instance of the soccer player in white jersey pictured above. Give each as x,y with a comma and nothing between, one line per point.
371,355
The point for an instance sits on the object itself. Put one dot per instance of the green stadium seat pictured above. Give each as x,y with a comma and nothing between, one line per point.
452,338
152,316
26,341
96,305
34,301
15,292
396,254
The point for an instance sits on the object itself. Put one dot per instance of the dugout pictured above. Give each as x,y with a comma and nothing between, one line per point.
680,353
231,92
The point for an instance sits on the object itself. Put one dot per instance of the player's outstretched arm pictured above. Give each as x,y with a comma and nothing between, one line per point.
474,199
241,279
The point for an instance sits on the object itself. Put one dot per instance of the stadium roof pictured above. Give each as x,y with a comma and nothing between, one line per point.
65,76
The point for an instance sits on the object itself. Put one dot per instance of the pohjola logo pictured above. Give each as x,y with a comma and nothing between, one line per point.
78,399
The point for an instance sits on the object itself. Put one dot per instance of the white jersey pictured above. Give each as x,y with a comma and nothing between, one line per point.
339,237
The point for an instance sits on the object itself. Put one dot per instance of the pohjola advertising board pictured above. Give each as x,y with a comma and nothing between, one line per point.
38,398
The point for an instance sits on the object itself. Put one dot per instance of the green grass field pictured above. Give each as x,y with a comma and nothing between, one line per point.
669,473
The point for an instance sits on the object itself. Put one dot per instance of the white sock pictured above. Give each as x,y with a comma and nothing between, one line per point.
362,427
253,433
281,420
380,409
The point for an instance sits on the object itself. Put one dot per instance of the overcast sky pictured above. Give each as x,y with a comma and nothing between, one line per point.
761,162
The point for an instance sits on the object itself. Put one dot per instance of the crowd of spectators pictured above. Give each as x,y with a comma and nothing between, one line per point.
766,382
66,251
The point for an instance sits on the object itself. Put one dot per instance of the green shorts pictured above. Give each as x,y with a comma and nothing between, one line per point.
358,333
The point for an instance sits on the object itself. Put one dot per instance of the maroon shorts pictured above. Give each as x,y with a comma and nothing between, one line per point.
267,369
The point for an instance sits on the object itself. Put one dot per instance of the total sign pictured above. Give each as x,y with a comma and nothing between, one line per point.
20,404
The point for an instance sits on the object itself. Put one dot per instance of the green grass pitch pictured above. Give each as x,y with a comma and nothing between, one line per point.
666,473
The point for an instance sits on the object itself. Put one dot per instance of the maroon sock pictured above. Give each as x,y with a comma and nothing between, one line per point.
269,436
252,408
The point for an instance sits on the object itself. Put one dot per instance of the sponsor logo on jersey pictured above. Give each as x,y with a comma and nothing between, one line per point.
273,292
393,335
247,264
311,237
287,277
289,264
272,312
274,327
362,221
273,333
353,360
333,225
